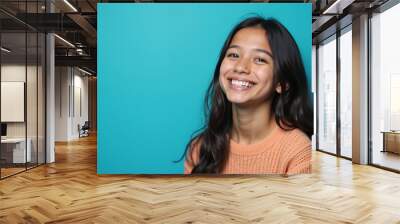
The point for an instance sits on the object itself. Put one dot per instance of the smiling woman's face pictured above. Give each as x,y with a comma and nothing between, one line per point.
246,72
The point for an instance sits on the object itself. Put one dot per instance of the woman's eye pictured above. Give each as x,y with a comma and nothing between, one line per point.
260,61
232,55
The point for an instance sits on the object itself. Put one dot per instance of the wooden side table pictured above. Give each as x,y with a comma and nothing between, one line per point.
391,141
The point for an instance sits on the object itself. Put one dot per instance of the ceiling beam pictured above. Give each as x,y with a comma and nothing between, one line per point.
84,24
83,61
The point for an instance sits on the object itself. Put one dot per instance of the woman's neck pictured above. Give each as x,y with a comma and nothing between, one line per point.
251,124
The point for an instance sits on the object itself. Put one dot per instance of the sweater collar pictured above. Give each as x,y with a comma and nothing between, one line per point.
256,147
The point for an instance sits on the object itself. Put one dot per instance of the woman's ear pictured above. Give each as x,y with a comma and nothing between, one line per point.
279,88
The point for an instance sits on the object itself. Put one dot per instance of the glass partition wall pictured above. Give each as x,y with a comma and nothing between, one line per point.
13,89
385,90
22,88
334,90
334,94
327,95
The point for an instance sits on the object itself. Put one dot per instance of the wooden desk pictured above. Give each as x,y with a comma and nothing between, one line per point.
391,141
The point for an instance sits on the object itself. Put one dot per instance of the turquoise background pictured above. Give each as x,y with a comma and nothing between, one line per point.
155,62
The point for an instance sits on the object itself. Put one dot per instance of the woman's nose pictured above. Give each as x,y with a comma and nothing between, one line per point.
242,66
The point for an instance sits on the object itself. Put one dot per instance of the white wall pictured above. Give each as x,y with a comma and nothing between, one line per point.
71,94
80,110
16,72
62,81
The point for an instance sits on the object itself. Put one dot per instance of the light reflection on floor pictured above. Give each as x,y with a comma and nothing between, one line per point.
386,159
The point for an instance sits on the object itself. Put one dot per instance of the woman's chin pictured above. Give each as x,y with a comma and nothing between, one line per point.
238,100
245,102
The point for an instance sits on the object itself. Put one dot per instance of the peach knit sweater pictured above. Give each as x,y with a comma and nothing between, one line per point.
280,152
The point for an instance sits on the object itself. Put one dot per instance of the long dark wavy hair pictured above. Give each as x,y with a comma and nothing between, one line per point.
292,108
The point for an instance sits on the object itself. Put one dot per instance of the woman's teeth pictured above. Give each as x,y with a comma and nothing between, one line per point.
241,84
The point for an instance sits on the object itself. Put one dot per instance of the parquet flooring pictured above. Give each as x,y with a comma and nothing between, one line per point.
10,171
386,159
70,191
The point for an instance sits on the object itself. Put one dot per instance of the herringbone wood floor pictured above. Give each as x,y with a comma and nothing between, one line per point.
70,191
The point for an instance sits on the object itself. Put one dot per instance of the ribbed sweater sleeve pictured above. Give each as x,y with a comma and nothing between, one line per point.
300,155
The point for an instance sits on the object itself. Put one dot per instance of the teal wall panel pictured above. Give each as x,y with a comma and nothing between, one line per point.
155,62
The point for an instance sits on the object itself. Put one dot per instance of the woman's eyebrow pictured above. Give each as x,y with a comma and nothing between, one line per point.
233,46
255,49
263,51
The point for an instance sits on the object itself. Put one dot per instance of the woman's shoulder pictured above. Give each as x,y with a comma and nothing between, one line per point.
297,152
295,139
294,134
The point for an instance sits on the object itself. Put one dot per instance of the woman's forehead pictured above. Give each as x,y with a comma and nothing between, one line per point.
252,37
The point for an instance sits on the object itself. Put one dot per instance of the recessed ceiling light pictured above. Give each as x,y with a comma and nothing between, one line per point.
70,5
84,71
5,50
64,40
337,7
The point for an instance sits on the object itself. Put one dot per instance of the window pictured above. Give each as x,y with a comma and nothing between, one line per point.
327,96
346,92
385,89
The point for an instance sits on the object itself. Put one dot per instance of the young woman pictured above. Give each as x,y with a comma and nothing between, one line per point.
259,120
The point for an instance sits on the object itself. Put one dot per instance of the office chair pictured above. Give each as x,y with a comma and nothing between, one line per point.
84,130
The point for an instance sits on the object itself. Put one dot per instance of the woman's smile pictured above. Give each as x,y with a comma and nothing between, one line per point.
241,85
